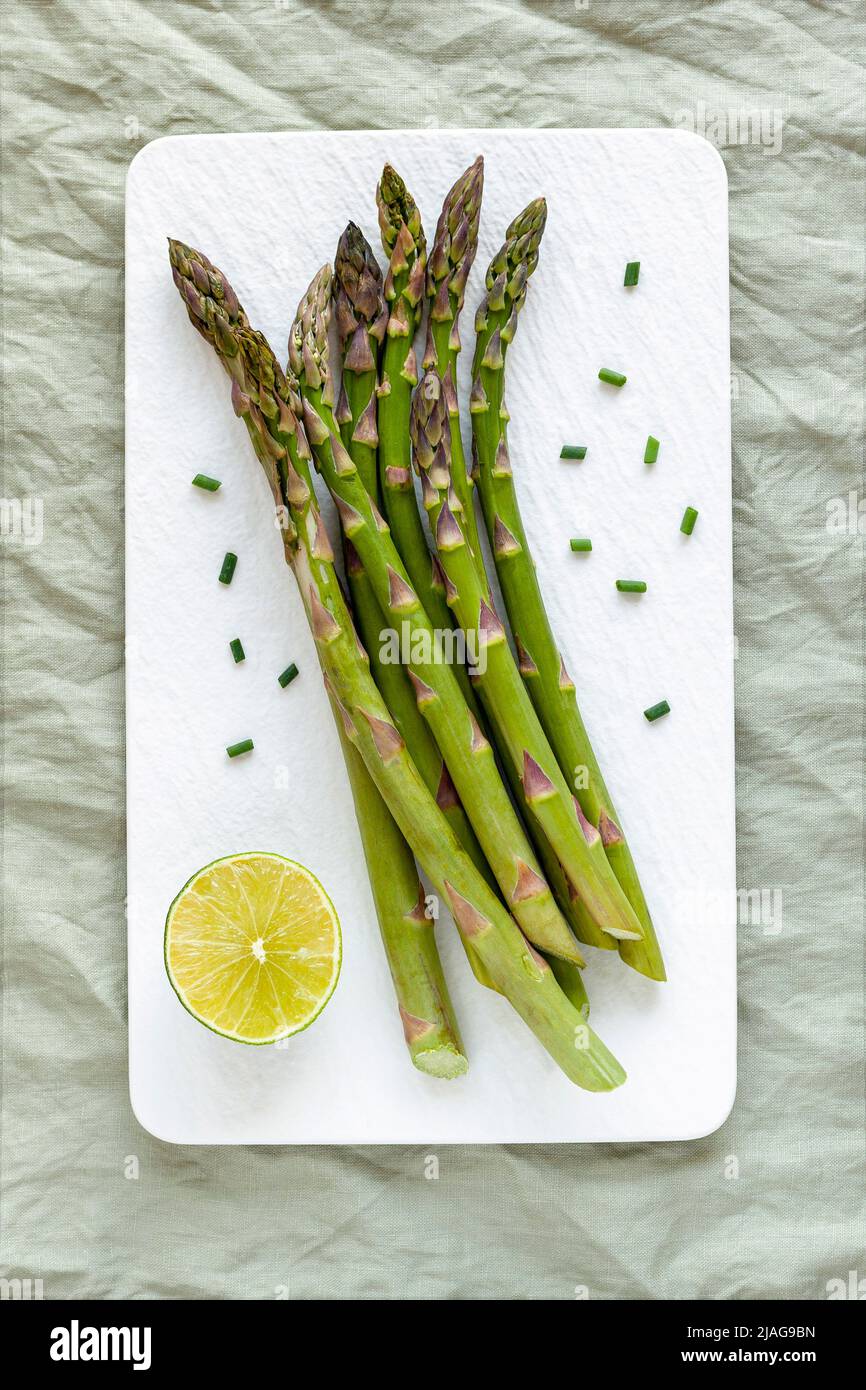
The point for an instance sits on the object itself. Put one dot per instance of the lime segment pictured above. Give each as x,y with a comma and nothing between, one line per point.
253,947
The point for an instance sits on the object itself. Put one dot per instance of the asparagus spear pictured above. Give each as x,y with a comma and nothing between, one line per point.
395,208
429,1024
550,687
451,256
426,1012
546,794
360,315
467,753
405,245
268,403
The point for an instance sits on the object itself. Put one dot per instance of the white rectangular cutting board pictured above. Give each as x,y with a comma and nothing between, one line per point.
268,210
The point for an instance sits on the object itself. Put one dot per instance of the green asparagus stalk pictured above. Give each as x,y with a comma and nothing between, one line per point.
268,403
467,753
405,245
429,1023
360,314
409,534
522,740
426,1012
550,687
450,261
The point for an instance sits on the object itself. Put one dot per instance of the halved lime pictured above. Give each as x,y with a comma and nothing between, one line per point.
253,947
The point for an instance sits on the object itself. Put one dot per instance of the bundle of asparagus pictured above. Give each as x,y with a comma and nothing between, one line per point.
463,765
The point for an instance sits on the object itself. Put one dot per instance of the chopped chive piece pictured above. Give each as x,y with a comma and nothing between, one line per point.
612,378
237,649
631,586
573,451
651,452
228,569
208,484
687,525
234,750
288,675
581,544
632,271
656,711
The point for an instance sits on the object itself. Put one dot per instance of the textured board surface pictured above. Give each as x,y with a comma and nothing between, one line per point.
268,210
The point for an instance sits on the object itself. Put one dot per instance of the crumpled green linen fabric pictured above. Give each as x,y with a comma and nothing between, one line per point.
771,1206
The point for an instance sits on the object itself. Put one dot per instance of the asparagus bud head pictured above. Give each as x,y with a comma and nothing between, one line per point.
359,299
211,304
398,210
309,353
455,243
511,267
262,394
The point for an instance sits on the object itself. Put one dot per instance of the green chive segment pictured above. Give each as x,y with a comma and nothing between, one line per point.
651,452
288,675
581,543
236,647
234,750
228,569
631,586
656,711
207,484
687,525
632,273
612,378
573,451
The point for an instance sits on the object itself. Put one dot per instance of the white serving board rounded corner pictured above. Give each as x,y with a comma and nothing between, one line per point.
657,196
